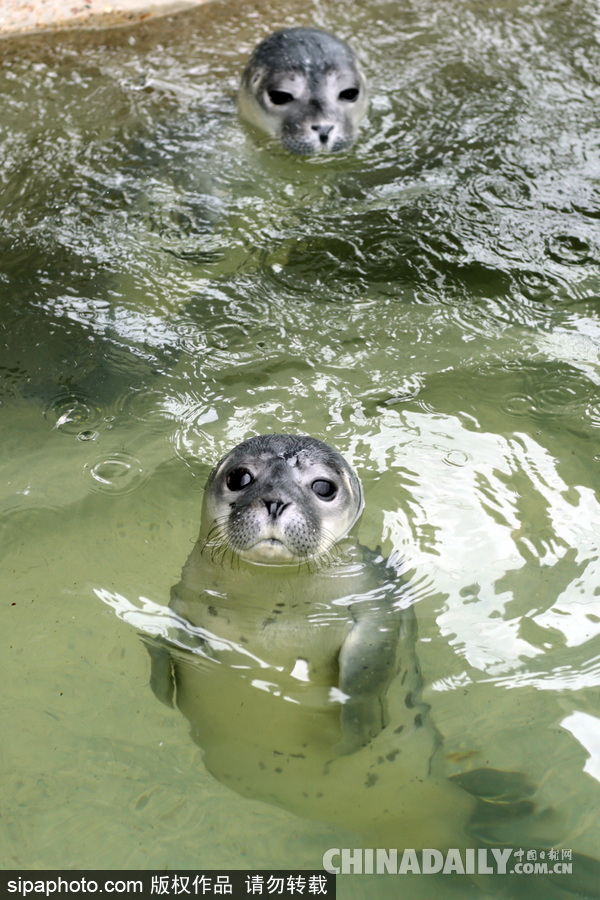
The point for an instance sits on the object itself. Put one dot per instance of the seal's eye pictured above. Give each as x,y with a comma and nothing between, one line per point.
280,98
238,479
324,489
350,94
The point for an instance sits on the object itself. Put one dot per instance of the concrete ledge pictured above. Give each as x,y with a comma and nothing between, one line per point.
34,16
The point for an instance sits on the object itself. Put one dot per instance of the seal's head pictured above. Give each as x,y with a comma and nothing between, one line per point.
305,87
279,499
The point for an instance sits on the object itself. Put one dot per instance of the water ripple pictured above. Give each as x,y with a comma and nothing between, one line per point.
147,406
118,473
561,395
517,404
569,249
73,413
509,190
536,286
557,391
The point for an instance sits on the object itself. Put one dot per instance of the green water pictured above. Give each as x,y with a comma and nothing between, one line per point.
427,303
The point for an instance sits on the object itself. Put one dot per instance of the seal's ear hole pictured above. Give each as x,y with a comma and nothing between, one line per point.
324,489
238,479
280,98
349,94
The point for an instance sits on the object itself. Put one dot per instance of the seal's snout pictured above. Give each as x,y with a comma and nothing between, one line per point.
275,507
323,132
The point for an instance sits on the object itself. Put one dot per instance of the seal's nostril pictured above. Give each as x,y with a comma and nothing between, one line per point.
275,507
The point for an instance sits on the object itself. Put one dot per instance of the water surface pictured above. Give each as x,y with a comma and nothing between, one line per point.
427,303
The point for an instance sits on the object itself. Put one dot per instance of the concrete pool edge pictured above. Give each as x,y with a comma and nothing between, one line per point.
24,17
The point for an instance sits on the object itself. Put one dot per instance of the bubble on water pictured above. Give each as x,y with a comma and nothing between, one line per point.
87,436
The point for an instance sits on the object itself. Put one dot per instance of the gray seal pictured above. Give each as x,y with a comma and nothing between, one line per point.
305,87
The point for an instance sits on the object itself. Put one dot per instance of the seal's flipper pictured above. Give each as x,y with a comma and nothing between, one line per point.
380,642
495,785
505,807
162,680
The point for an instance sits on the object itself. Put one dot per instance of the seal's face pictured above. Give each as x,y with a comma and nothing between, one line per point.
279,499
305,87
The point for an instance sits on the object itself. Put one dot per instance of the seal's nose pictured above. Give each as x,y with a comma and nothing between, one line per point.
323,131
275,507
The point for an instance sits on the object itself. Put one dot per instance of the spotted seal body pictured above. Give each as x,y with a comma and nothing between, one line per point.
305,87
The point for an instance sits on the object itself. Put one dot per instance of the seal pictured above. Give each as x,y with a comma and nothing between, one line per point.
291,652
277,502
305,87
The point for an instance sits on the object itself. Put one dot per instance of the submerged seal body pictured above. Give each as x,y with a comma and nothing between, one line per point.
305,87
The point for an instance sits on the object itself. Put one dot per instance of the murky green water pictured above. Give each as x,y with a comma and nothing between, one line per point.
428,303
